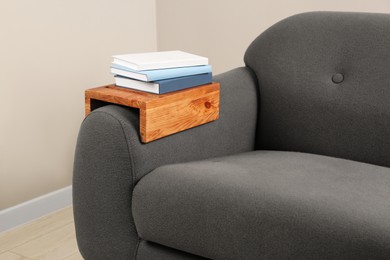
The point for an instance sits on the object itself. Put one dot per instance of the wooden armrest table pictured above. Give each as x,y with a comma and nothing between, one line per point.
162,115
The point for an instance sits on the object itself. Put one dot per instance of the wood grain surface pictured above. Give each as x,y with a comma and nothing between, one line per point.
162,115
50,237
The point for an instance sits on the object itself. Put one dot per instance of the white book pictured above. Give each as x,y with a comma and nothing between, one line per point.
159,60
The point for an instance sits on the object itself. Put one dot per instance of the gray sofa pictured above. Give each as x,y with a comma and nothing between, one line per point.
296,167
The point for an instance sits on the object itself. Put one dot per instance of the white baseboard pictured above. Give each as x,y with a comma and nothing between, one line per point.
35,208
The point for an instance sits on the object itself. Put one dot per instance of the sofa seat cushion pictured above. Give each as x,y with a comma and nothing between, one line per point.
267,204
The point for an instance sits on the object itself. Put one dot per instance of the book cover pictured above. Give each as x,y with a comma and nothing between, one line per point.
159,60
165,85
153,75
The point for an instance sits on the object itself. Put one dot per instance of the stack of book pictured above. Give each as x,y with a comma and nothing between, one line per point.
161,72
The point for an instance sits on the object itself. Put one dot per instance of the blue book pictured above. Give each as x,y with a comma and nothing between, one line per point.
165,85
153,75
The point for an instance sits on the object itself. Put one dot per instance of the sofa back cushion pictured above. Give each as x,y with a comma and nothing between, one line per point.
324,85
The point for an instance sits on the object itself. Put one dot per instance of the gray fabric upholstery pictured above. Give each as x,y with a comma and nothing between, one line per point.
268,205
110,159
302,108
317,83
151,251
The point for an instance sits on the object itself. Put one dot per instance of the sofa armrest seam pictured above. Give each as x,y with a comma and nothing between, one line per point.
136,249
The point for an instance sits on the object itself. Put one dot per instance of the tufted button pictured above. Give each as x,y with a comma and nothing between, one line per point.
338,78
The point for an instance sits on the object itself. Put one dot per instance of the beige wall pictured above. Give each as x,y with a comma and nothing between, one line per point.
50,51
223,29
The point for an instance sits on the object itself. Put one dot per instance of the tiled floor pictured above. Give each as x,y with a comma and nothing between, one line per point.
51,237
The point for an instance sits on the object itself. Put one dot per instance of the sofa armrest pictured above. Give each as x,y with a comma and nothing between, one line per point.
110,159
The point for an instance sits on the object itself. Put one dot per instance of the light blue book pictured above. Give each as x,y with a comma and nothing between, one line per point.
165,85
153,75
